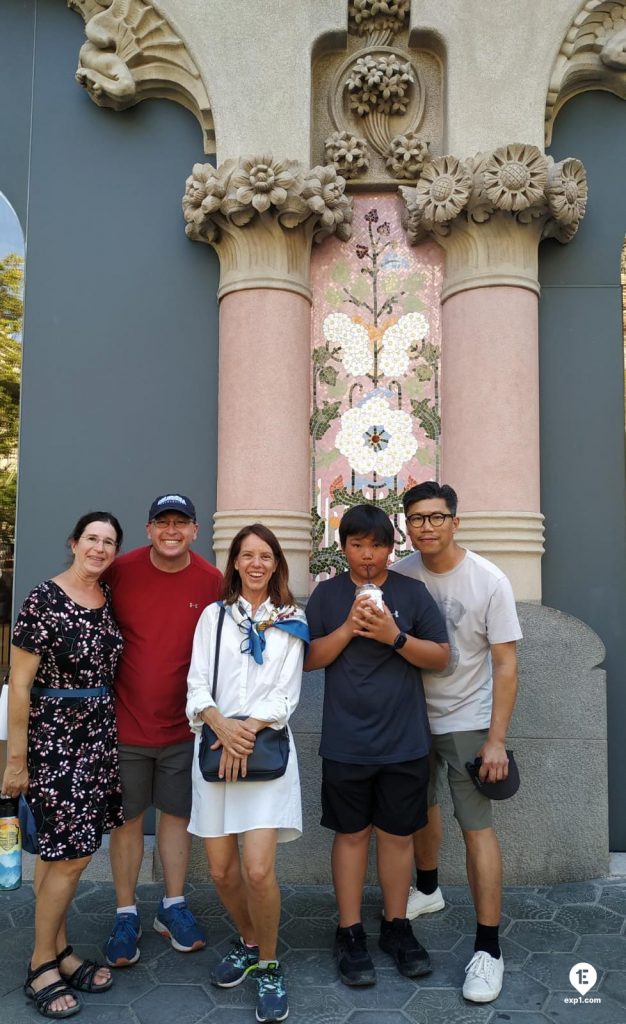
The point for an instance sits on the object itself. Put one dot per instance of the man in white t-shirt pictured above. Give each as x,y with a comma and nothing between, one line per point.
470,704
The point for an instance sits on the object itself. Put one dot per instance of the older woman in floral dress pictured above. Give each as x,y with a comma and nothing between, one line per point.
62,749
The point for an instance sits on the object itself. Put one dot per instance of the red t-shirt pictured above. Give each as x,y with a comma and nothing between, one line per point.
157,613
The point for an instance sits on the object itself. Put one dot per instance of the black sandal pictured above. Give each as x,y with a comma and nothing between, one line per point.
83,977
47,995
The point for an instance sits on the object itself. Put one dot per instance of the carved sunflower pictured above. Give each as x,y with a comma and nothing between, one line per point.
442,191
515,176
567,191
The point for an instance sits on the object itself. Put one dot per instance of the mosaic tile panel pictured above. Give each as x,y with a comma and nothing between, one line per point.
376,347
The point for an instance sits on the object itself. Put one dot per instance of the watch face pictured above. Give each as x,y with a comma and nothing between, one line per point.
400,641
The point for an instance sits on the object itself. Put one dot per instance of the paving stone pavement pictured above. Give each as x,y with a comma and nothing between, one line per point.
546,931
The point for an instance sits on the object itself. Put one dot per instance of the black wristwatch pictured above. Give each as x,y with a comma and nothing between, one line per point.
400,641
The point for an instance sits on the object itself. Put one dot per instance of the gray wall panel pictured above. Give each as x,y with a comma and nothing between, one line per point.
582,411
17,27
120,341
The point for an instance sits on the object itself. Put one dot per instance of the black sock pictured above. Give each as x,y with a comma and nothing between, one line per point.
427,881
487,939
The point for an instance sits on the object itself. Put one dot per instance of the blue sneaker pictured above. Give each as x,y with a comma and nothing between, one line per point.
271,1001
178,924
233,968
121,949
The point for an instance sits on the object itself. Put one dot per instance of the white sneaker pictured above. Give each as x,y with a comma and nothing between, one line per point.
419,903
484,977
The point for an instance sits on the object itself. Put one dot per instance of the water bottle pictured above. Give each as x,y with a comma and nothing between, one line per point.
10,845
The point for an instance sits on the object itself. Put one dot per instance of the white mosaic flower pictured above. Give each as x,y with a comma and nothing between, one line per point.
397,340
356,352
375,438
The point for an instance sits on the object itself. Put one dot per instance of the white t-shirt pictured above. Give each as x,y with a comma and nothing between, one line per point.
476,600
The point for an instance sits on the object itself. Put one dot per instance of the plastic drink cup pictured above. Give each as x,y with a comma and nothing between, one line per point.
371,592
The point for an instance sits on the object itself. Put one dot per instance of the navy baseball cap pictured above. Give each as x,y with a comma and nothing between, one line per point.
172,503
501,790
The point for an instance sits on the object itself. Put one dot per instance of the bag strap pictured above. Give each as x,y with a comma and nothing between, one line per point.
218,638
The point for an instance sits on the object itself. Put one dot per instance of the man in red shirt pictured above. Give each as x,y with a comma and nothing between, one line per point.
159,592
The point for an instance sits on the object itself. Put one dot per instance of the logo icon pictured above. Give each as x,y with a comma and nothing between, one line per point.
582,977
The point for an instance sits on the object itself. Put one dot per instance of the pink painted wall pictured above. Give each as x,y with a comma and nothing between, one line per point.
264,395
490,399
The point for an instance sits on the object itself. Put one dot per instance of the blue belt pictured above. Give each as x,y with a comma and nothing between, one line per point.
93,691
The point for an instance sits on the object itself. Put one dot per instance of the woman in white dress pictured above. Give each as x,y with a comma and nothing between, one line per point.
259,674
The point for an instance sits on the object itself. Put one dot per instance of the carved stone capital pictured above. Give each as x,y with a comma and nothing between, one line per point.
261,216
132,53
490,212
592,56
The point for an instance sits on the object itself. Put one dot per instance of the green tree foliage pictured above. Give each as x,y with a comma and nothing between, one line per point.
11,312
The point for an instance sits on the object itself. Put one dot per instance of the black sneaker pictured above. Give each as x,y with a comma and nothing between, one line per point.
397,939
354,962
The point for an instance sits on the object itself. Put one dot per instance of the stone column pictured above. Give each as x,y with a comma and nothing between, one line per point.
490,394
490,214
262,216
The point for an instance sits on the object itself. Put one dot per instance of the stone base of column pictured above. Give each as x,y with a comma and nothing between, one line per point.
293,530
513,540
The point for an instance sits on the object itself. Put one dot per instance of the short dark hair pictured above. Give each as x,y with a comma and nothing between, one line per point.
431,489
365,521
96,517
279,591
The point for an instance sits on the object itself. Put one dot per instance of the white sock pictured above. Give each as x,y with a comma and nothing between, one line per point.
169,901
127,910
266,963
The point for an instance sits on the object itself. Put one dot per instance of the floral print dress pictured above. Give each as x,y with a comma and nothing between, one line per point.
74,790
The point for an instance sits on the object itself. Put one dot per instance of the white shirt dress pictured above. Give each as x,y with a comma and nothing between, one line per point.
268,692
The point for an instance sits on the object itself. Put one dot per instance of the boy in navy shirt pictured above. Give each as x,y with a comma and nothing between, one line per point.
375,736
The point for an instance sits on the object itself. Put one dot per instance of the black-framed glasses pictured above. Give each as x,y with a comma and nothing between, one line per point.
436,519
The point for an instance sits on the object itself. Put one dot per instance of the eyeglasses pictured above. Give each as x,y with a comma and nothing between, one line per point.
436,519
107,543
165,524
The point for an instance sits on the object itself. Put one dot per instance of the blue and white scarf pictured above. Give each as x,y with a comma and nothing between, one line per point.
288,617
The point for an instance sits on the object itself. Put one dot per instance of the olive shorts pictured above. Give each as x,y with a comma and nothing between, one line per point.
451,751
159,776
